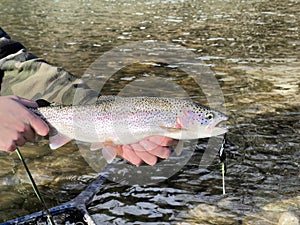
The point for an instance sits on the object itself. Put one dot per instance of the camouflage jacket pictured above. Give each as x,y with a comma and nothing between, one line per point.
25,75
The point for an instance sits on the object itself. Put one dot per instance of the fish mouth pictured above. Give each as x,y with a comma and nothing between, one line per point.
222,123
219,127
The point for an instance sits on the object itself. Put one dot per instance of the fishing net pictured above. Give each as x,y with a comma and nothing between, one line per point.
70,213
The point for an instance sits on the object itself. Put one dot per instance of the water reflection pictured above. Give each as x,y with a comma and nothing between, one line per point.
253,48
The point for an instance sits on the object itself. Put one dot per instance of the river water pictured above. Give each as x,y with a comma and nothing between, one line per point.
252,48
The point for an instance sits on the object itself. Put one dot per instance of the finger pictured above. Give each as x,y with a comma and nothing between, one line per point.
29,134
148,145
130,155
26,102
12,147
20,141
38,125
147,157
161,152
137,147
8,147
120,150
161,140
143,154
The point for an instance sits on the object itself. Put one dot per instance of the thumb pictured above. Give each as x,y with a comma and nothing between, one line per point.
39,126
26,102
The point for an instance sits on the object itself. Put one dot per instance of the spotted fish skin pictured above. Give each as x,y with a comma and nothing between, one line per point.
126,120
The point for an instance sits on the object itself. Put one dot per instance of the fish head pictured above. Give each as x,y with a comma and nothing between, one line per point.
202,122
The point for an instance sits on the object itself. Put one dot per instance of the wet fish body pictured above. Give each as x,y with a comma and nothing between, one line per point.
126,120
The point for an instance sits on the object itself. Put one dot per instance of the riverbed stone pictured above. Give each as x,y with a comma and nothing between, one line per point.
209,214
285,212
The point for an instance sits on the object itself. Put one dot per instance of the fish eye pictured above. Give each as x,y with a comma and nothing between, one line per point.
209,116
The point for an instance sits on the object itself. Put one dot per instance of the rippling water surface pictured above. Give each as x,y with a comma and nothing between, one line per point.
253,49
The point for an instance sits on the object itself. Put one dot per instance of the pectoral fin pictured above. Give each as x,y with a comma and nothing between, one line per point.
179,148
58,140
96,146
109,149
109,153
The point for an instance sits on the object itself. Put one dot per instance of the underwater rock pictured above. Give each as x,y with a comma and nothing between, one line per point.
7,165
10,200
284,212
209,214
292,204
288,218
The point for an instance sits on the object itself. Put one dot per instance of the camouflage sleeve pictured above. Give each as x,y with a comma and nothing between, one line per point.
25,75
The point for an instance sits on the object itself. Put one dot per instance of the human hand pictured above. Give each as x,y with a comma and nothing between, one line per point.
147,150
18,124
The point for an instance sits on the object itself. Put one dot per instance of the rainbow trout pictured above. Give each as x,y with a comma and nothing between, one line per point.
126,120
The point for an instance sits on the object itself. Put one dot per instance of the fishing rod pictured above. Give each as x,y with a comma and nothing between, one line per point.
35,188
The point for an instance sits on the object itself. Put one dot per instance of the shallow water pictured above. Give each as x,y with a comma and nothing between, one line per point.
253,49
